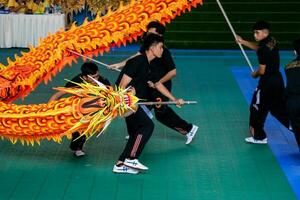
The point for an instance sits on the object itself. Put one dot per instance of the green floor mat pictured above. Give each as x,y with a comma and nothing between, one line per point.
216,165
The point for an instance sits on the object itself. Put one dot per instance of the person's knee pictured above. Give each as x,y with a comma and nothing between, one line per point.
149,127
161,113
159,116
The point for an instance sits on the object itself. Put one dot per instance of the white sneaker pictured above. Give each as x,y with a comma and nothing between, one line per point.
135,164
124,170
79,153
191,134
254,141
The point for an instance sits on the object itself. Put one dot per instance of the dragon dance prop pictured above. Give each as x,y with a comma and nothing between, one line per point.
89,110
22,75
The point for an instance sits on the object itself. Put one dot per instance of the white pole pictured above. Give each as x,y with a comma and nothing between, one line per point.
96,61
164,103
234,34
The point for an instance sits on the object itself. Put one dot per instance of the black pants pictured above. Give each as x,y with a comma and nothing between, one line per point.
165,115
77,142
268,97
293,105
140,128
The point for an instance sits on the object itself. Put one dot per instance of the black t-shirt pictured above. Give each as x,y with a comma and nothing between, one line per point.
268,54
292,72
161,66
138,69
78,79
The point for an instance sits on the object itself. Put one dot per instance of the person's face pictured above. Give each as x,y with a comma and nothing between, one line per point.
157,49
153,30
90,80
260,34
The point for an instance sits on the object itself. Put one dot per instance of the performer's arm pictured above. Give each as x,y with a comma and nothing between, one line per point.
246,43
171,74
125,81
120,65
259,72
162,89
123,84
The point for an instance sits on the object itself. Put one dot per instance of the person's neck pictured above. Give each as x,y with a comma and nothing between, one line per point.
150,56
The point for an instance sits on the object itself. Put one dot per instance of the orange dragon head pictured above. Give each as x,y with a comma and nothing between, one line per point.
99,104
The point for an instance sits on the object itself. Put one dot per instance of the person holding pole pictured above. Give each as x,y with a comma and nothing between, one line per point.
89,71
269,94
163,70
136,74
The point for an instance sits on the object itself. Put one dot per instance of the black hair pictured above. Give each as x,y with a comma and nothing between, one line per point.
261,25
152,39
160,29
296,45
89,68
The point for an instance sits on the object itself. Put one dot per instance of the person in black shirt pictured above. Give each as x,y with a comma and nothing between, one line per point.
163,70
88,70
269,94
292,71
136,74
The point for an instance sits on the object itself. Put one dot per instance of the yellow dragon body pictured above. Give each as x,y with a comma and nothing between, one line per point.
30,123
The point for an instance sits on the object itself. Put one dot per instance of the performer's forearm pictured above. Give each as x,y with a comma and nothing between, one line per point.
162,89
168,76
121,64
250,45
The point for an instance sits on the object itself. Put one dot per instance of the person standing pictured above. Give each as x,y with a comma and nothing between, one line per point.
88,69
163,70
292,71
136,74
269,94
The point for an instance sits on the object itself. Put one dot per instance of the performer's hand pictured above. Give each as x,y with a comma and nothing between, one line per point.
132,90
113,66
151,84
179,102
239,39
116,66
254,74
128,113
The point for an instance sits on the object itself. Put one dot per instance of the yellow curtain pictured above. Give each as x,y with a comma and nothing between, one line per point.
94,6
4,2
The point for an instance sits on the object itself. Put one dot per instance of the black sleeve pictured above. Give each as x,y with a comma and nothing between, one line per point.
69,84
130,68
154,76
104,81
262,55
168,60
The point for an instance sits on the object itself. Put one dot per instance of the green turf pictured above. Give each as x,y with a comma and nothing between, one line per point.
217,165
